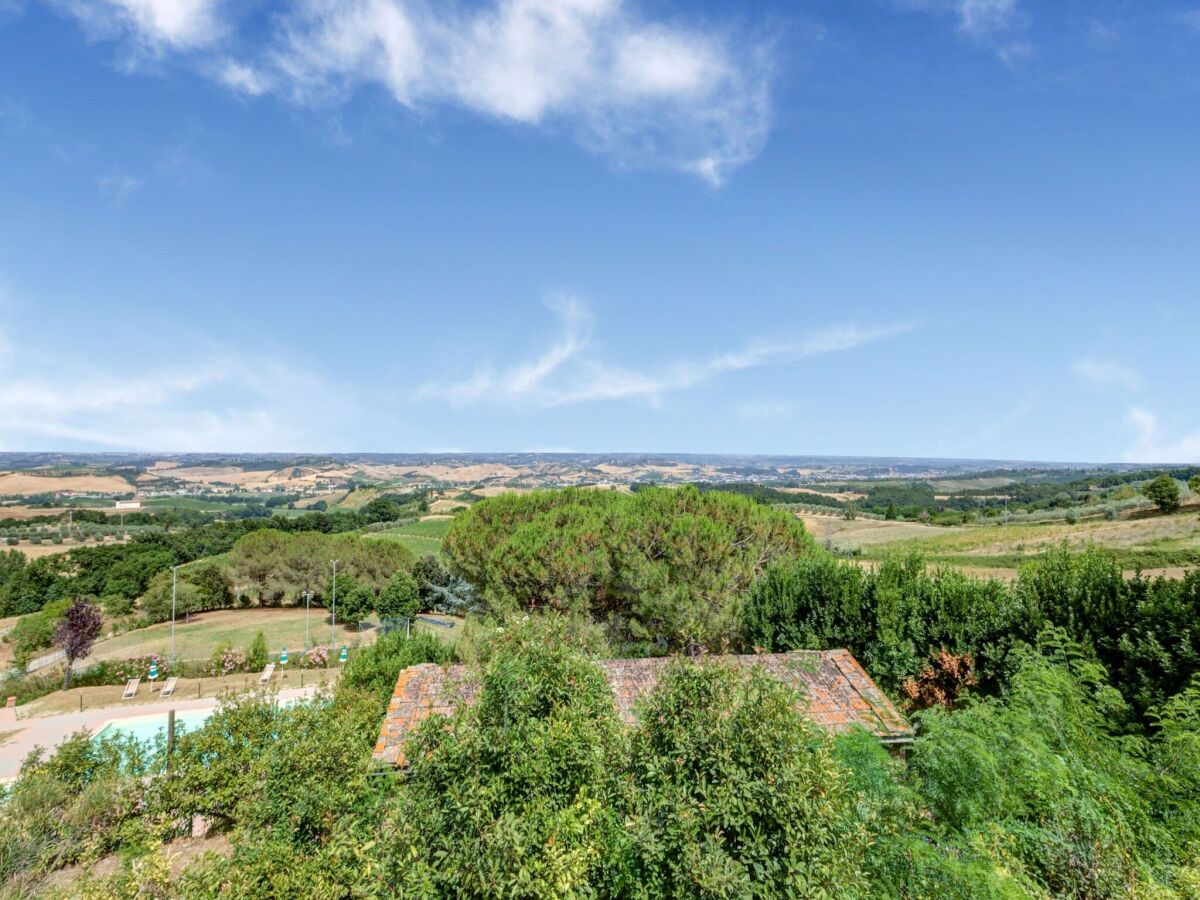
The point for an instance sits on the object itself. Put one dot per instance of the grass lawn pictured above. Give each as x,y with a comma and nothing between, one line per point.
420,537
198,638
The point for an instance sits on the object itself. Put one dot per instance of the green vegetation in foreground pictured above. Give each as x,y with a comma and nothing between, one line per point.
1057,750
720,789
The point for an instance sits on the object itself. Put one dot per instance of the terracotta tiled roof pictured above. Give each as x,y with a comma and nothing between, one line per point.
837,694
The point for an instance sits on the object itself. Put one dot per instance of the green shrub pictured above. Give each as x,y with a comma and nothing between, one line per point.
400,597
256,656
374,669
82,800
1040,777
518,794
735,795
116,605
289,770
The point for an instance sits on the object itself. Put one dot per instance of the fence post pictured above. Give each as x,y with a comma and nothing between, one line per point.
170,735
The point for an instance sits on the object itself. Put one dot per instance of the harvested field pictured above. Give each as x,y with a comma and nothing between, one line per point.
26,484
845,534
31,512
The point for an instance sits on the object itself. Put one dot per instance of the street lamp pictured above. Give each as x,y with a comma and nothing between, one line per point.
174,579
307,595
333,608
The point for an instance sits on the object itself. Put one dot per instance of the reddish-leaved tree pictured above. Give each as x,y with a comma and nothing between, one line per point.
941,681
77,632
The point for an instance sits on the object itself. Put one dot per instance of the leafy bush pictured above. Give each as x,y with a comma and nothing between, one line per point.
256,656
1040,778
400,597
35,631
516,795
735,795
1163,492
315,658
226,660
83,800
374,669
892,619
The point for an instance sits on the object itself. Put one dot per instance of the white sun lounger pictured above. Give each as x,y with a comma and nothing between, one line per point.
169,687
267,673
131,688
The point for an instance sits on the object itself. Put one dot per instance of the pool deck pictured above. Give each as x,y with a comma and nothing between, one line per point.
50,731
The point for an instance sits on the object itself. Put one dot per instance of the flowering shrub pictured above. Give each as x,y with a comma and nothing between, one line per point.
226,660
316,658
139,667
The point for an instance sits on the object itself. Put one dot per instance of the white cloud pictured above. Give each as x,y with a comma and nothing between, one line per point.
988,22
569,372
643,93
1154,447
242,78
118,187
155,25
981,18
1105,373
221,400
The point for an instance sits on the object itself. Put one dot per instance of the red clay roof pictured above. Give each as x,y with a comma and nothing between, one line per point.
837,694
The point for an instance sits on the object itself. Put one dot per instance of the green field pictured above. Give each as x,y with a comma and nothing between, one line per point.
1146,542
421,538
194,503
197,639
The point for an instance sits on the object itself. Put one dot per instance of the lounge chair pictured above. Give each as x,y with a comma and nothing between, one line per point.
169,687
267,673
131,688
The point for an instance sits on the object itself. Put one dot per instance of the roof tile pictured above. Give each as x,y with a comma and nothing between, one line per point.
836,693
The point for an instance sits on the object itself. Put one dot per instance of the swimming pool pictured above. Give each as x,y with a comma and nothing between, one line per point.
144,728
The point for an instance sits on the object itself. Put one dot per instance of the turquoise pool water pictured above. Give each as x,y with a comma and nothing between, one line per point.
144,728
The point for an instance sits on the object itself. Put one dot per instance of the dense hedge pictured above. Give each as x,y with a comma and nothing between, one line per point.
1145,632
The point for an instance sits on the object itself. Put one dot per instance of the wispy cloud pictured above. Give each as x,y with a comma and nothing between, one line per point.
991,23
570,372
220,399
118,187
1153,446
643,92
1108,374
152,26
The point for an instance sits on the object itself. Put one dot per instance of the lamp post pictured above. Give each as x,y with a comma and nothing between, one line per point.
174,580
307,600
333,609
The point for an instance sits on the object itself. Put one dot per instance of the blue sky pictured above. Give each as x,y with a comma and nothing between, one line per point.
881,227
